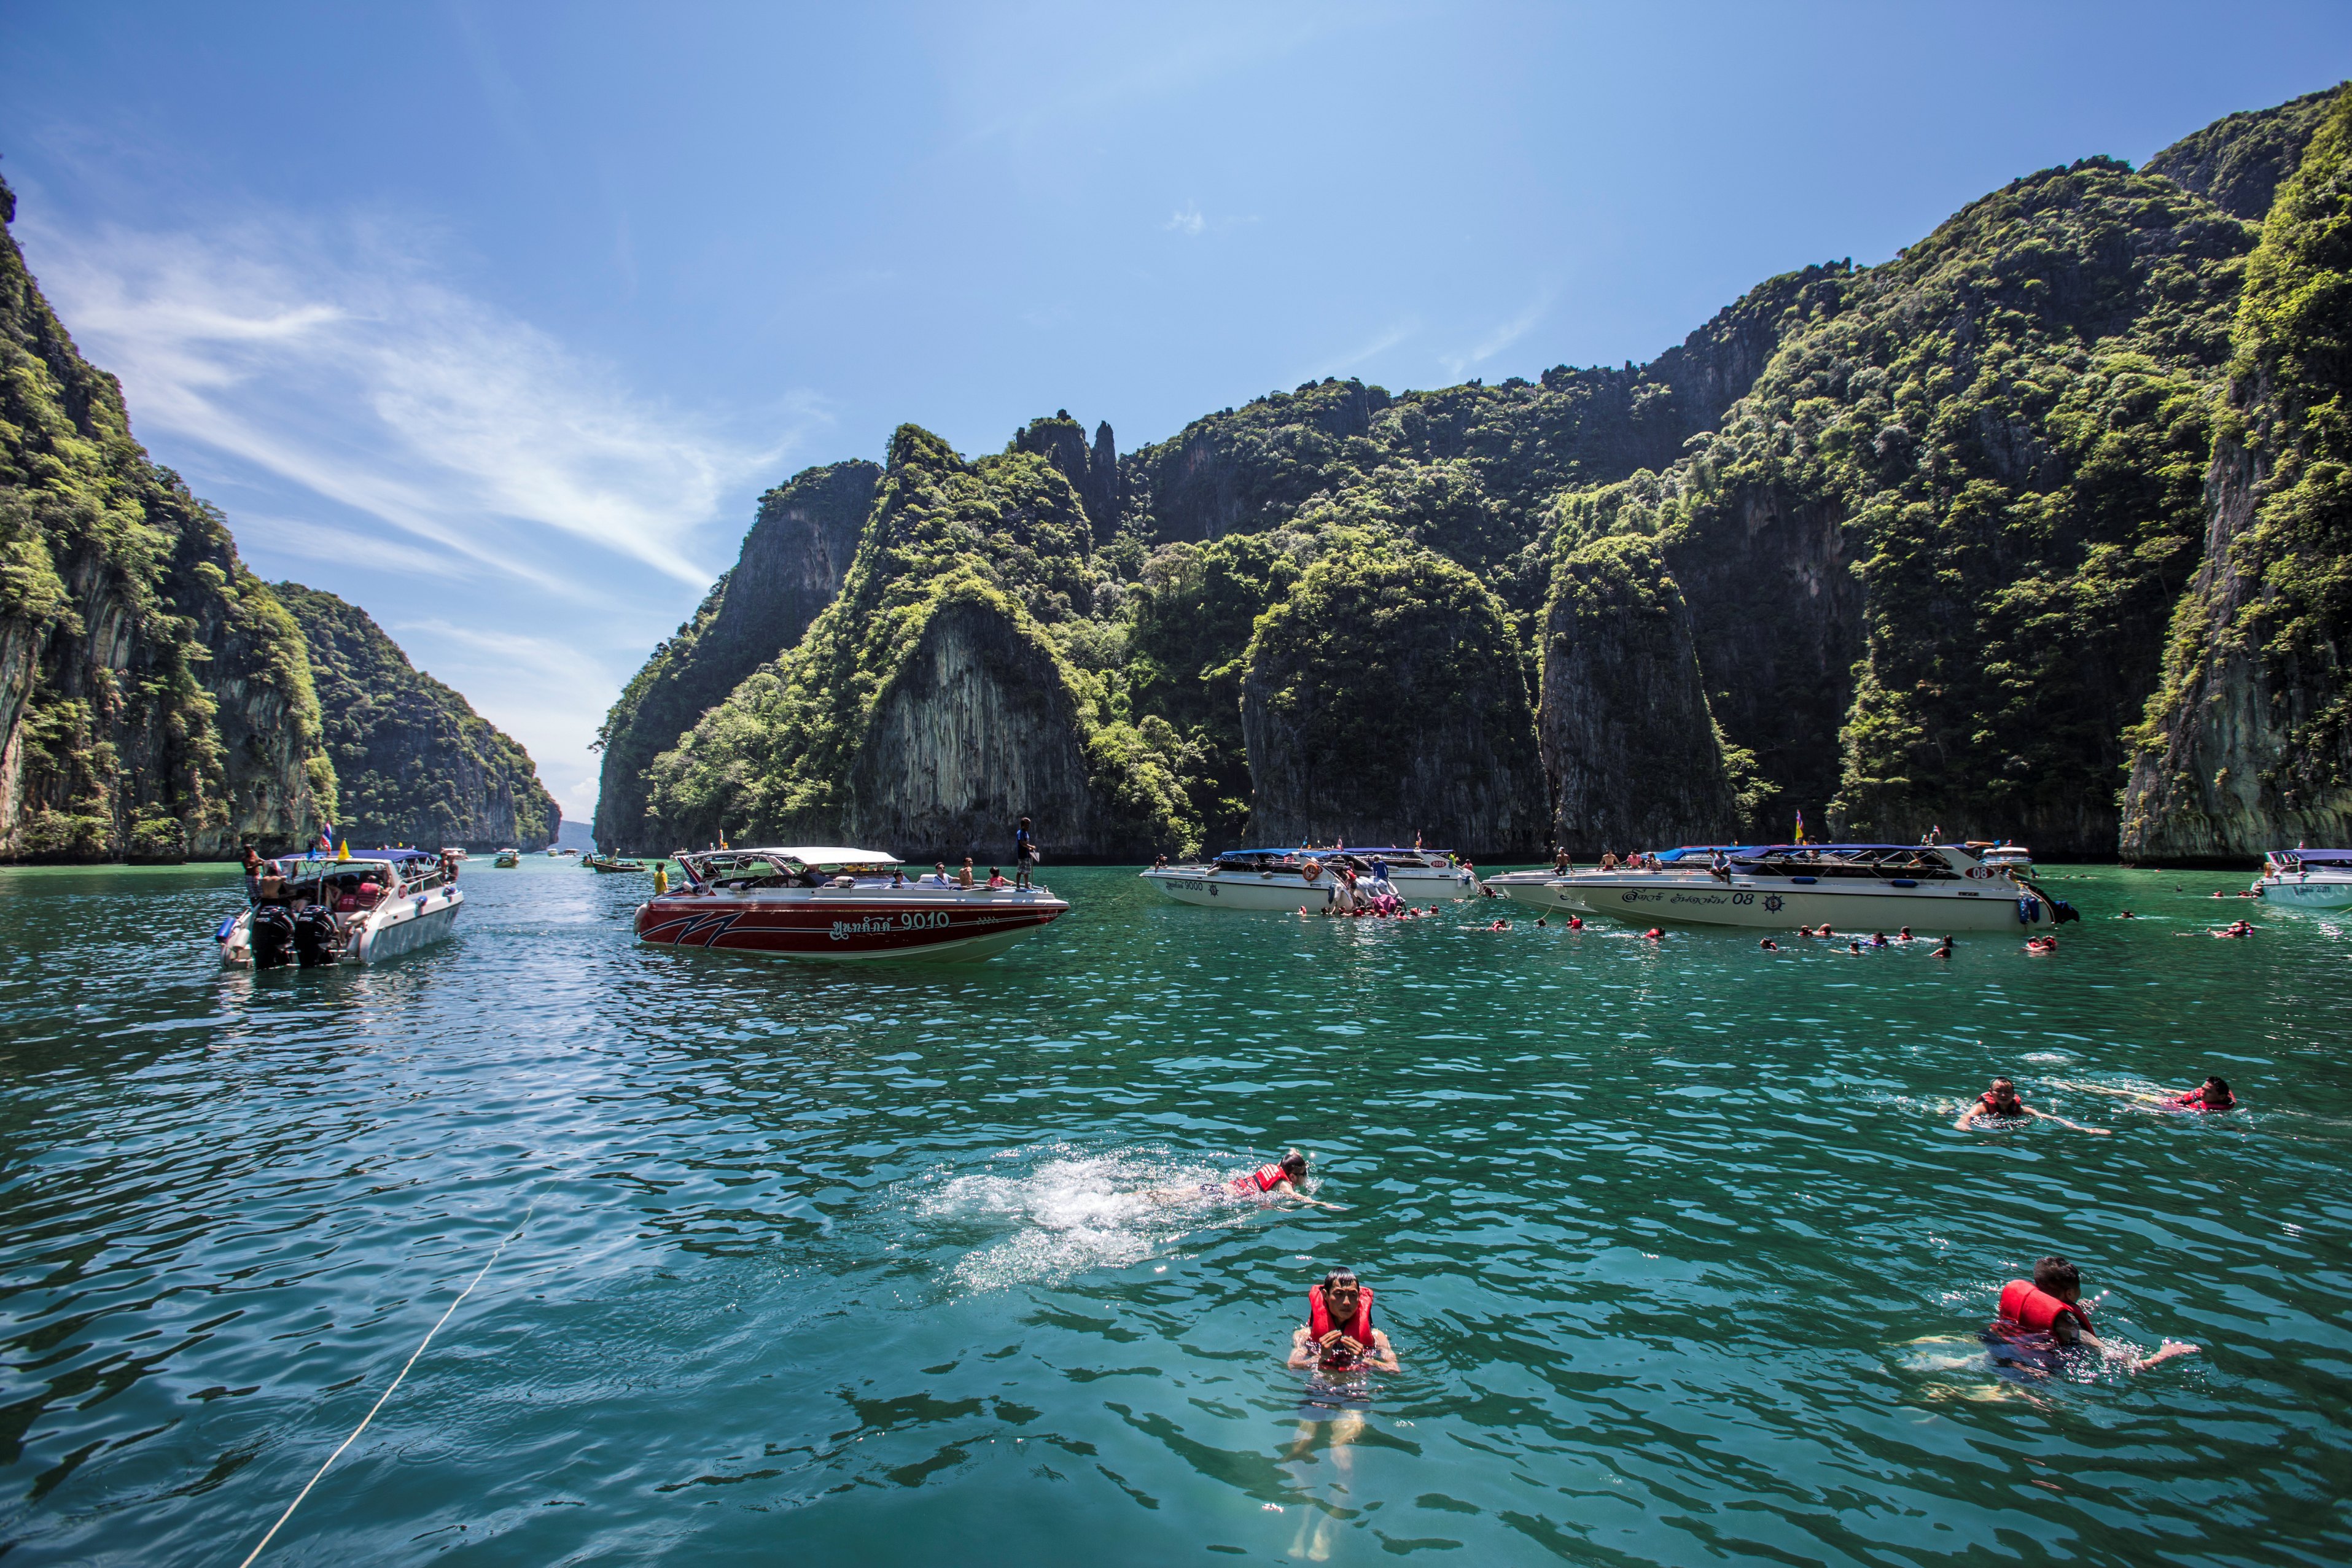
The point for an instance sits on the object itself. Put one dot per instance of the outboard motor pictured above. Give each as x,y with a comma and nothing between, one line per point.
270,937
316,940
2061,910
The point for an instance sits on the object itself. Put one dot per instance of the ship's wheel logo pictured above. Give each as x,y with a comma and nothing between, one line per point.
1772,902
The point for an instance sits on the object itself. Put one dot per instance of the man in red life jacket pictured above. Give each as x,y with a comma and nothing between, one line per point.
1338,1334
2051,1304
2001,1102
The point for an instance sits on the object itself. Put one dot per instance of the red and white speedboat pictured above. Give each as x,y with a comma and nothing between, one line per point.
837,903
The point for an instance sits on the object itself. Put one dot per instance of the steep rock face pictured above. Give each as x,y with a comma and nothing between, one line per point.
1092,471
1628,741
933,703
156,697
2248,744
790,567
1382,699
976,729
415,764
1999,436
2239,161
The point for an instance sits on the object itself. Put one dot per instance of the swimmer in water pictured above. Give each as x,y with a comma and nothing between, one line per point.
1878,938
1904,935
1500,926
2049,1304
2040,944
1854,948
1338,1334
1768,946
2214,1094
2128,915
1576,923
1943,949
2001,1102
1653,935
1267,1184
2236,928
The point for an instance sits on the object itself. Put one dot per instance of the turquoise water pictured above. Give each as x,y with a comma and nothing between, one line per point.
1679,1247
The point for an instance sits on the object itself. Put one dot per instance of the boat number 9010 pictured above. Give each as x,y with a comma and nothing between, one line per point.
921,922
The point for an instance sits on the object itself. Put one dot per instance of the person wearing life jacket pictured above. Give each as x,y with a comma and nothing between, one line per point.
1267,1184
2000,1104
2052,1303
1338,1334
2214,1094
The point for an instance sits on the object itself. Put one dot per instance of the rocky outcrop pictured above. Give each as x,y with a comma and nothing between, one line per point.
416,765
2239,161
1384,699
1628,741
1092,471
790,567
2248,742
156,697
932,704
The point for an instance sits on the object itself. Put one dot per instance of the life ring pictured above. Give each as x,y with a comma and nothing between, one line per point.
1310,871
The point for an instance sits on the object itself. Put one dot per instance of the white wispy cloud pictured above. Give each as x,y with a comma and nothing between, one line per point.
332,356
1458,365
1186,220
1380,344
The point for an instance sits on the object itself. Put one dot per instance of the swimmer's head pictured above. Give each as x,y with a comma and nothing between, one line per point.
2217,1090
2004,1092
1341,1289
2059,1277
1294,1165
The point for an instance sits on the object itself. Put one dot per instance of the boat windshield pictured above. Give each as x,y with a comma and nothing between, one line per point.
1915,862
317,879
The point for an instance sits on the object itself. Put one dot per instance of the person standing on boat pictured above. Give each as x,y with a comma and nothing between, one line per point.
252,875
1024,853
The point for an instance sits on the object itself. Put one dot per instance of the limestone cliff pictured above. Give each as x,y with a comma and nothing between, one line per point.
1383,698
1628,741
1092,471
415,764
2239,161
2248,744
155,700
790,569
940,698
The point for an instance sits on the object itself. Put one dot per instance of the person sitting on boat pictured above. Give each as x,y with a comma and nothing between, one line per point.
347,895
996,879
939,877
2050,1304
2000,1104
1338,1334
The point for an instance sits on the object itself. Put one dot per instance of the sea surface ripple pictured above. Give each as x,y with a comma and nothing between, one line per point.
1683,1258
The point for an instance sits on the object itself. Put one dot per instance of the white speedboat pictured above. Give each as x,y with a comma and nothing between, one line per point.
363,909
1289,880
1853,888
2306,879
2003,856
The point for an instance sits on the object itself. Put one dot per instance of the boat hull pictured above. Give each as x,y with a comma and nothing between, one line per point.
1774,904
853,928
392,928
2314,892
1287,894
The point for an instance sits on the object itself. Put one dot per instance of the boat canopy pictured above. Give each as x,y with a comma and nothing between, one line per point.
2316,857
395,856
1783,851
827,855
1708,851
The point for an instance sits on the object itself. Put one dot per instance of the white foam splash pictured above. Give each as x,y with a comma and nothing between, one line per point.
1063,1212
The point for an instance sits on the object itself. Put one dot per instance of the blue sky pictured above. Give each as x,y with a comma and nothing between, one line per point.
496,319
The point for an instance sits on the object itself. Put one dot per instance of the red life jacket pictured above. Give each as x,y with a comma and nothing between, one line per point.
1993,1107
2034,1310
1262,1179
1359,1328
2195,1100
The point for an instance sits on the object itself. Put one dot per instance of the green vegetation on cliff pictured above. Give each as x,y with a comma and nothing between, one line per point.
1005,537
158,695
417,765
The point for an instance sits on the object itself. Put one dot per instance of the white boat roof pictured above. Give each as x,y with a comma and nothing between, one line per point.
821,854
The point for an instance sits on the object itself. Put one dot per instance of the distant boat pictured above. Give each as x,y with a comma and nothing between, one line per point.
452,853
2307,879
611,862
509,858
1286,880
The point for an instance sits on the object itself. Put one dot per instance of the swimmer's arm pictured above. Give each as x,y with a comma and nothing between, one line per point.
2165,1351
1968,1118
1302,1354
1284,1189
2053,1116
1384,1354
